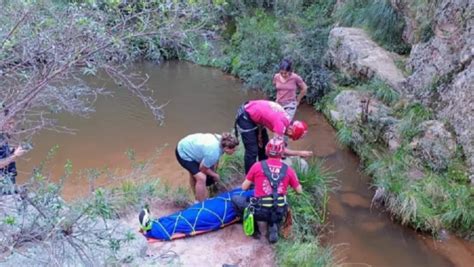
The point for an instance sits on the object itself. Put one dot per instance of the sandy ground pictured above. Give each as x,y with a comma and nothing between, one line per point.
226,246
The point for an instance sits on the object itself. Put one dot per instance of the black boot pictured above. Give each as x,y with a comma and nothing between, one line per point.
256,231
273,233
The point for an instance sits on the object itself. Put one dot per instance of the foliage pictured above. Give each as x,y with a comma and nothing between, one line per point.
381,90
411,117
231,168
83,229
379,19
310,208
256,49
48,49
304,254
344,134
308,47
413,193
279,30
434,202
308,215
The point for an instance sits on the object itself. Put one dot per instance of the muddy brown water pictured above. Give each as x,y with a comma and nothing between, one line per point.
205,100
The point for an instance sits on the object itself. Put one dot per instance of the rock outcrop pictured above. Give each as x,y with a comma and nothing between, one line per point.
435,145
358,110
442,71
443,54
457,107
418,16
352,51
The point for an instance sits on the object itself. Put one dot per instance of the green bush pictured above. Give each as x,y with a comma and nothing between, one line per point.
379,19
411,117
308,215
263,38
255,50
309,45
381,91
304,254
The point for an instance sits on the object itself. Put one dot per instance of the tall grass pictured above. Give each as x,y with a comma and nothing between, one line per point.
429,203
309,212
411,117
381,91
380,20
344,134
308,215
298,253
231,168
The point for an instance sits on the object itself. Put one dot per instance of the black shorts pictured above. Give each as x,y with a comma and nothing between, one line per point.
192,167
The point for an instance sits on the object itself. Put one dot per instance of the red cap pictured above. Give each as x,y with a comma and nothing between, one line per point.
299,129
275,147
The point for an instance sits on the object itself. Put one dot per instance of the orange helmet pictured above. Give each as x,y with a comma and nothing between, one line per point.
275,147
299,129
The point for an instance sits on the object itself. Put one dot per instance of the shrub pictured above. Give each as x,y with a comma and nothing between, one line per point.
379,19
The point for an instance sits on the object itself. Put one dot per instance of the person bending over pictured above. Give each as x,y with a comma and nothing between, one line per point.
252,119
199,154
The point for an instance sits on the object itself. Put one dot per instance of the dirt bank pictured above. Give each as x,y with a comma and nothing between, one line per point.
225,246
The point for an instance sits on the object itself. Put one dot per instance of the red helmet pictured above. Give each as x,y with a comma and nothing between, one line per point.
275,147
299,129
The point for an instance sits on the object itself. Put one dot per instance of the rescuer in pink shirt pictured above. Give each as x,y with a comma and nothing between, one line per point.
252,119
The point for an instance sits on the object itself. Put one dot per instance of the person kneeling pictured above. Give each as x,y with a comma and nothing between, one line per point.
271,178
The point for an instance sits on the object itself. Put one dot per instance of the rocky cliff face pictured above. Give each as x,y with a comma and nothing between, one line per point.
442,73
418,16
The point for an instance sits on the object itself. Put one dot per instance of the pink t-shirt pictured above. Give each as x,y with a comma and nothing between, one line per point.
286,90
263,187
269,114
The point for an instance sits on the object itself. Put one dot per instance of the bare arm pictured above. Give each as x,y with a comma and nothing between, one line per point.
246,184
299,189
18,153
300,153
303,90
209,171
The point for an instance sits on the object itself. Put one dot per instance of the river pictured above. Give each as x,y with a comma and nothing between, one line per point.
205,100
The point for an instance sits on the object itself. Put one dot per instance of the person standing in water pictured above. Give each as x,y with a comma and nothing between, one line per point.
287,83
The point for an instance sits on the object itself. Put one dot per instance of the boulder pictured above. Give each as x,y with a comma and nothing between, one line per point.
434,61
349,105
355,107
435,145
352,51
392,137
297,162
457,106
358,110
418,17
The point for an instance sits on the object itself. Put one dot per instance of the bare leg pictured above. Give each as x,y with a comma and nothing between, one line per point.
192,183
201,191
